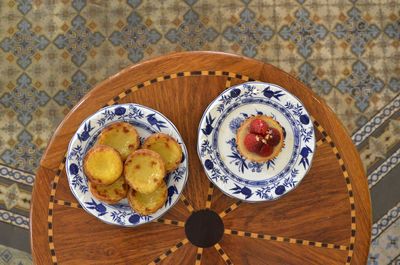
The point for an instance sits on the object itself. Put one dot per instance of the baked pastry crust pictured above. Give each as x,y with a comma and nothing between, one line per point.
149,203
112,193
102,165
244,130
167,147
144,170
122,136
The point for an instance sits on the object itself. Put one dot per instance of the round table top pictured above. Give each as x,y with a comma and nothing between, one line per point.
325,220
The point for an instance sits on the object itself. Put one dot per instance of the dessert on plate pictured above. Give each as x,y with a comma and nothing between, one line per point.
102,165
148,203
112,193
167,147
122,136
260,138
116,169
144,170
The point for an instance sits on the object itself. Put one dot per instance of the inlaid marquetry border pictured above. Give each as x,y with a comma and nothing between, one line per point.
169,222
229,75
169,251
51,209
186,203
67,203
223,254
209,195
329,140
285,239
230,208
199,256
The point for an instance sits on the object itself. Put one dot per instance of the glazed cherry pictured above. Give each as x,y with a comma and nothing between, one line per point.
253,142
259,126
261,139
273,137
266,150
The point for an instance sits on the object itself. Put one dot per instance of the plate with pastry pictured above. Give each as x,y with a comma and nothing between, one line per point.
256,141
127,164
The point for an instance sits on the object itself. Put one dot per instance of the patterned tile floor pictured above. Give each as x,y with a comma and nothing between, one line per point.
53,52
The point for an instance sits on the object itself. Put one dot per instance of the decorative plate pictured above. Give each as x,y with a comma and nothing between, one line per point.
146,121
234,174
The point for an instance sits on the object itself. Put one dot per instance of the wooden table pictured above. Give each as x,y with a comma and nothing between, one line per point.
325,220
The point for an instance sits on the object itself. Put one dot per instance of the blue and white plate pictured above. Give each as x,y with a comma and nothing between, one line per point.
146,121
235,175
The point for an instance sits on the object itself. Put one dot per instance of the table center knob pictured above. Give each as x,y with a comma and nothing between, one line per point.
204,228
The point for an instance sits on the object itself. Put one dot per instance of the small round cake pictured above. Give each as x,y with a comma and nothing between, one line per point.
122,136
167,147
144,170
149,203
260,138
102,165
112,193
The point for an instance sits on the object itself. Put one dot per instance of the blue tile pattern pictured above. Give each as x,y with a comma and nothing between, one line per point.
24,6
24,99
75,91
393,30
303,32
356,31
24,43
25,155
307,75
191,34
360,85
135,37
79,40
248,33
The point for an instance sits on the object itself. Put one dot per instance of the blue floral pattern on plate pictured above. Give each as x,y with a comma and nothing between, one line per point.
146,121
237,176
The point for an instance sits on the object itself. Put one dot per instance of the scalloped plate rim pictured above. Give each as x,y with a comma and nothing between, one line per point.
211,105
75,136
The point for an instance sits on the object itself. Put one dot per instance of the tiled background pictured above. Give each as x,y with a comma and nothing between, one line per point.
53,51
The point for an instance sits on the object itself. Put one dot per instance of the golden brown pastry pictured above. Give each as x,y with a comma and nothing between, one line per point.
112,193
122,136
102,165
144,170
167,147
148,203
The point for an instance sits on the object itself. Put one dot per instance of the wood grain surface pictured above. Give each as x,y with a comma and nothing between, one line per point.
325,220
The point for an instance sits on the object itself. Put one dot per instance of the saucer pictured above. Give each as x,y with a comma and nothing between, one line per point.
237,176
